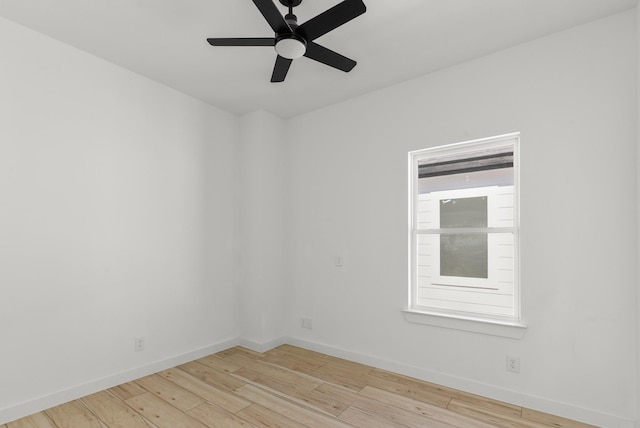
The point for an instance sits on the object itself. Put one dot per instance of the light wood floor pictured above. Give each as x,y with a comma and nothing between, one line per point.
285,387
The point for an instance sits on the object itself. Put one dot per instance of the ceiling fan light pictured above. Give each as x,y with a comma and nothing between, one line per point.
291,47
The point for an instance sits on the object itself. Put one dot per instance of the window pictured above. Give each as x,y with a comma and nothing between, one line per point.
464,230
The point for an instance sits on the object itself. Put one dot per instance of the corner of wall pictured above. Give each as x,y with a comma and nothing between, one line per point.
638,213
261,233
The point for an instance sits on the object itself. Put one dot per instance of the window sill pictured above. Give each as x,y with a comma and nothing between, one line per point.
509,329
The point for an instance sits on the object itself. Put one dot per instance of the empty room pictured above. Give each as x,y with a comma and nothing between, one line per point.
341,213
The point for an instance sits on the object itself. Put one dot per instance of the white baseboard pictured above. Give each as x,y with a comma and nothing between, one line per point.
262,347
72,393
566,410
541,404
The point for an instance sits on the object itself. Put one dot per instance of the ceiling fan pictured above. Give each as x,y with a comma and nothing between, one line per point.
292,41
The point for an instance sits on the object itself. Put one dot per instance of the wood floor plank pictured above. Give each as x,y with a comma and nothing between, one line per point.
73,415
170,392
127,390
285,375
427,389
239,350
288,408
320,401
295,358
313,357
215,417
212,376
362,419
113,411
378,409
551,420
317,400
161,413
219,363
413,390
292,363
480,412
220,398
323,367
428,410
347,365
285,386
273,376
340,372
266,418
38,420
495,406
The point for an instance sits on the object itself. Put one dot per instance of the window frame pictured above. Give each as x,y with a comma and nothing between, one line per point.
507,326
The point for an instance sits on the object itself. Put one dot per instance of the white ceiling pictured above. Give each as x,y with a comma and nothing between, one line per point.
395,40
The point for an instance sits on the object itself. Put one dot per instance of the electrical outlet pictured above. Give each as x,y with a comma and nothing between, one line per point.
139,343
513,364
307,323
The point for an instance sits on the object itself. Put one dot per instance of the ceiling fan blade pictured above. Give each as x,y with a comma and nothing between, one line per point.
273,16
242,41
332,18
280,69
329,57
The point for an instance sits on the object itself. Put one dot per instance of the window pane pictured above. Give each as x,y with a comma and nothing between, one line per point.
464,255
463,212
493,295
494,177
467,162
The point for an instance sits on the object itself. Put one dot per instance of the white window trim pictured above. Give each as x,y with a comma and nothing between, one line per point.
510,327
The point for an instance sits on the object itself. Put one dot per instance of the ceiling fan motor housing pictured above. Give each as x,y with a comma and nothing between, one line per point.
290,46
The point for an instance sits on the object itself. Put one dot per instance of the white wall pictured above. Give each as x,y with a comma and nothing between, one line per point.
107,183
261,230
638,215
572,96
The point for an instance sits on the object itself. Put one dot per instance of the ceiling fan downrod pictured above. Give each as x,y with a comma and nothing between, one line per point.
291,45
290,17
